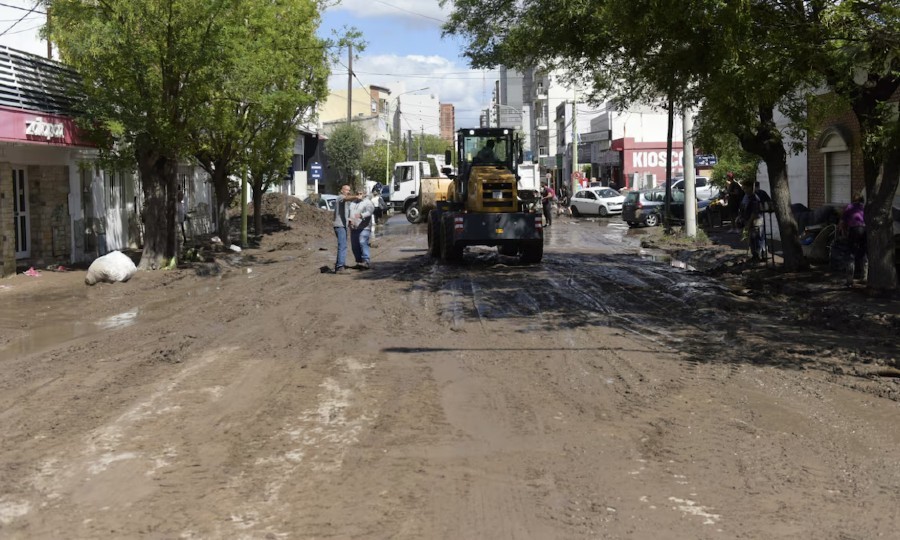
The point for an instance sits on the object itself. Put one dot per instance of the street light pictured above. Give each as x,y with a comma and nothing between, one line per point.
387,159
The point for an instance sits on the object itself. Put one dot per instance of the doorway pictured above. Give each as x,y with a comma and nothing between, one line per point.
21,223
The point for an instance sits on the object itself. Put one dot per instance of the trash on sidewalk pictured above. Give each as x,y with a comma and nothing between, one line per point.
112,267
32,272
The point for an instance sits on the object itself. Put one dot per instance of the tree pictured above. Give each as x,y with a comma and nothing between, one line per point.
278,78
345,147
268,160
741,60
860,61
147,69
375,162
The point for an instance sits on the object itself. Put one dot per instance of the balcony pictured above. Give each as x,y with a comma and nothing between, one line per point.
541,124
540,93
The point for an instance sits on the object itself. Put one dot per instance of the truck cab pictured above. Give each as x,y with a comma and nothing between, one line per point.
406,184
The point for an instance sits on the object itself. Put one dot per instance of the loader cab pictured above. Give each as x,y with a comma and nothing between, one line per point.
487,147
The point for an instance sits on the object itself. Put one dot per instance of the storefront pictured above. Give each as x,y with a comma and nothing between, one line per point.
39,170
644,163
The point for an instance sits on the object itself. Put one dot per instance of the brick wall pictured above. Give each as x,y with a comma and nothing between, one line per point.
7,233
815,160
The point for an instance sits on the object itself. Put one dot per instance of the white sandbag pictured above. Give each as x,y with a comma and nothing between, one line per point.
112,267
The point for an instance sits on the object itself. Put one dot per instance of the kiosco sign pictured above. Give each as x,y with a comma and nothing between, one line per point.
645,160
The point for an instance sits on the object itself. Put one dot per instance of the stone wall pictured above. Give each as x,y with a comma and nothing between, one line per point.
49,214
7,233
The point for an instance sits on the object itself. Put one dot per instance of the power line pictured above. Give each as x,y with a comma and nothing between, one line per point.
410,11
23,30
32,10
13,25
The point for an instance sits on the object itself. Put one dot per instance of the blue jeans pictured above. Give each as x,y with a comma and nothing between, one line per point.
341,233
359,241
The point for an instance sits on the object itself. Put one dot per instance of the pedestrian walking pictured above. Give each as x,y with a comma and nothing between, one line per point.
181,214
853,225
547,197
361,211
735,196
751,216
341,222
562,206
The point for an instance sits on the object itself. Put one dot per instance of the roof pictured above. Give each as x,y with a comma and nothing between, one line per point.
33,83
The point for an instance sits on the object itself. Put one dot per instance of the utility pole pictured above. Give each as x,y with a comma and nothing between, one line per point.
49,43
244,207
350,84
408,144
497,100
387,159
421,136
690,193
574,181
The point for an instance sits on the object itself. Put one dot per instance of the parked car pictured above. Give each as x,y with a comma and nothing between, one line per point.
322,200
705,189
646,207
601,201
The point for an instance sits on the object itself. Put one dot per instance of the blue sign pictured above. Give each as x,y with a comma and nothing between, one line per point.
315,170
705,160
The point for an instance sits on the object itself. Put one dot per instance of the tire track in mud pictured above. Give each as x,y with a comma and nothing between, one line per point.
581,292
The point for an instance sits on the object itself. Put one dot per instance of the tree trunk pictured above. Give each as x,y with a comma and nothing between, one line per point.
257,210
881,185
880,143
159,176
223,201
792,252
766,143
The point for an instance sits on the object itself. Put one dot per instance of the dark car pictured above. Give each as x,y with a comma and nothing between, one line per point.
646,207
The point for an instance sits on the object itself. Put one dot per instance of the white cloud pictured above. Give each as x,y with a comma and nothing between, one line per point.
467,89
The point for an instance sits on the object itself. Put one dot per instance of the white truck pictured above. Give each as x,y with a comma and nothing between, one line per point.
529,177
406,185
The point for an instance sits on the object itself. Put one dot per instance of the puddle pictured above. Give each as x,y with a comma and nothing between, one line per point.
57,332
665,258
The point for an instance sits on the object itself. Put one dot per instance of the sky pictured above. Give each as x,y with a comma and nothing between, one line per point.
404,49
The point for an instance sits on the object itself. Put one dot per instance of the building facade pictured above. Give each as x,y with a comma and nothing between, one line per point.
57,205
448,122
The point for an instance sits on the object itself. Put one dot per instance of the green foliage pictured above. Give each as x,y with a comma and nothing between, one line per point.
376,164
164,80
345,148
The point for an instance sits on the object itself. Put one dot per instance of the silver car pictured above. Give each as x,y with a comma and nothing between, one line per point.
596,201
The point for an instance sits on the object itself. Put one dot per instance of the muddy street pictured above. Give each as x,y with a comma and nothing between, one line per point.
608,392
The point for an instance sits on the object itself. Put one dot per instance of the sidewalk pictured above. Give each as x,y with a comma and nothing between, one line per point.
726,256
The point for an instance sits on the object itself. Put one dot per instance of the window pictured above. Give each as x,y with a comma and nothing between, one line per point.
590,195
837,167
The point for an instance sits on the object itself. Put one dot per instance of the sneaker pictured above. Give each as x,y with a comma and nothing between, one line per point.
363,265
340,270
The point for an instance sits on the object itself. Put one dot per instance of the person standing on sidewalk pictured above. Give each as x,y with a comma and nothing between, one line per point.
547,196
751,216
341,221
853,224
361,211
735,195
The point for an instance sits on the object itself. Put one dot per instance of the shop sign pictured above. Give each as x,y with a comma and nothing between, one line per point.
642,160
45,130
